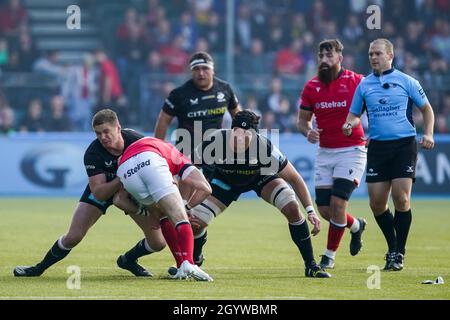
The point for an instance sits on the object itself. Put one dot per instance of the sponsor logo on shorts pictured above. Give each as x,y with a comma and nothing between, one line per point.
370,173
139,166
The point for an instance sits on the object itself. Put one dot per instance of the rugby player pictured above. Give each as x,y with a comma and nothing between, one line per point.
340,161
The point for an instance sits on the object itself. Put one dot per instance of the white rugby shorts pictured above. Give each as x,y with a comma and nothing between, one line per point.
146,176
346,163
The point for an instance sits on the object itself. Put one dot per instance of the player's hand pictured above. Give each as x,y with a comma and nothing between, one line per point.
315,221
427,142
347,129
196,223
313,135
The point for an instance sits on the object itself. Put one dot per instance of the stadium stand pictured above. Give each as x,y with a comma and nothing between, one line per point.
148,42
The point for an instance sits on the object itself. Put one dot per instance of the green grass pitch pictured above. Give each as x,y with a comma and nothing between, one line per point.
249,254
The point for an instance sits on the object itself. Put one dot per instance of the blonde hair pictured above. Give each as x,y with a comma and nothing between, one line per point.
387,44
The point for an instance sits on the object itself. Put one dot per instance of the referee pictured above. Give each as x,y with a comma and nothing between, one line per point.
388,95
199,104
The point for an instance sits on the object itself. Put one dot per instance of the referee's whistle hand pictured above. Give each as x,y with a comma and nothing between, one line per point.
427,142
347,129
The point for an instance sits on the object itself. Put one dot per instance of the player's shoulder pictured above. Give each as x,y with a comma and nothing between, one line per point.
221,84
182,89
351,75
312,83
94,148
128,132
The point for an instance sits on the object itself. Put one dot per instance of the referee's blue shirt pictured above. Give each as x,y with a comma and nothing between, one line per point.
388,99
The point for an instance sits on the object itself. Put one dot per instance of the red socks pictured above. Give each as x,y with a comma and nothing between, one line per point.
185,241
350,220
335,234
180,240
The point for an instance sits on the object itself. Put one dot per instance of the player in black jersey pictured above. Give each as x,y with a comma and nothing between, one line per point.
243,160
201,101
104,189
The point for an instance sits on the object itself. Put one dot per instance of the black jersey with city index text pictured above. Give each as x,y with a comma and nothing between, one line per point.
240,170
98,160
189,104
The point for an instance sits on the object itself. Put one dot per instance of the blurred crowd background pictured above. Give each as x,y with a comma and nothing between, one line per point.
129,54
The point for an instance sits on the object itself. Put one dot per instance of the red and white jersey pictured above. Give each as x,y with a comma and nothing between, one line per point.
175,159
330,104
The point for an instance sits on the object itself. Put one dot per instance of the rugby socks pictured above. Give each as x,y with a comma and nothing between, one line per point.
140,249
56,253
335,233
301,237
199,242
352,223
402,224
185,240
171,237
386,223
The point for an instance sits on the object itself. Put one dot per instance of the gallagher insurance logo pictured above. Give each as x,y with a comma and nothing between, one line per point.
54,165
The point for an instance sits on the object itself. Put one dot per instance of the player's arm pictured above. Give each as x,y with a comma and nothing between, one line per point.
291,176
101,189
162,125
354,114
235,110
194,187
304,125
427,140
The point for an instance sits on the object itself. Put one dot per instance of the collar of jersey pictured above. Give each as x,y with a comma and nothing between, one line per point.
384,72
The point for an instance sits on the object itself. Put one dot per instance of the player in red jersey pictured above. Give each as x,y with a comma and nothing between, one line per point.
340,159
147,169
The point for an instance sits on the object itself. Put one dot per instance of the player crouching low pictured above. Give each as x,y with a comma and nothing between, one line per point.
269,179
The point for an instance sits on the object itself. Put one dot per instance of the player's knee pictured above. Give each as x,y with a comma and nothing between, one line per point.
282,196
291,211
325,212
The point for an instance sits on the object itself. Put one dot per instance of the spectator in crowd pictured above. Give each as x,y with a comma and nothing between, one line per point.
12,16
175,57
27,52
81,93
58,120
34,119
7,120
4,56
48,64
110,88
289,61
214,32
272,100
